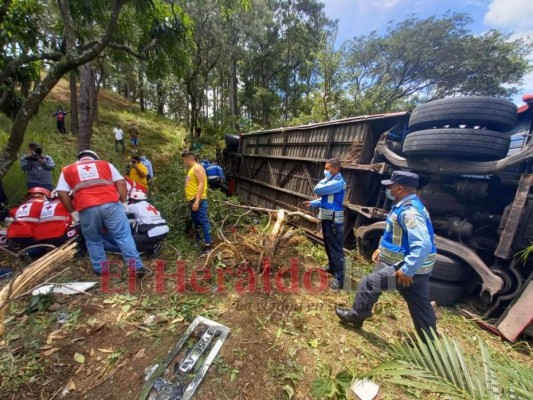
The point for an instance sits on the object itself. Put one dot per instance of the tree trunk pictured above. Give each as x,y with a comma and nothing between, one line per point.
141,91
233,101
94,97
74,120
160,99
86,121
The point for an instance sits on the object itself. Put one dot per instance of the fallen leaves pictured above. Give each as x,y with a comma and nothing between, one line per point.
79,358
51,351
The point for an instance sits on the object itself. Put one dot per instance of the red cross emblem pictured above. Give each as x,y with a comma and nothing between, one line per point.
87,168
152,209
24,206
48,207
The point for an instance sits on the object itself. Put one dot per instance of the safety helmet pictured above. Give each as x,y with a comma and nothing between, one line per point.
138,195
89,153
39,190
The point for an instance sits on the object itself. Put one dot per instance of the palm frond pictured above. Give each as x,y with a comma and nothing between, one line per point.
442,366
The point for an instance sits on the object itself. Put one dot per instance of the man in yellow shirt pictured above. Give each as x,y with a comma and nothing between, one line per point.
196,196
138,172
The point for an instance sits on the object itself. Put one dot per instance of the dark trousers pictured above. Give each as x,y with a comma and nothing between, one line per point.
47,186
416,297
61,126
333,236
117,142
200,219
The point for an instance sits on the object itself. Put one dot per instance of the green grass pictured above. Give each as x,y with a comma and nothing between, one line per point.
161,138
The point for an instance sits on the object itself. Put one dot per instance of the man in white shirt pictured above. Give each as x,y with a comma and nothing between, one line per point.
119,138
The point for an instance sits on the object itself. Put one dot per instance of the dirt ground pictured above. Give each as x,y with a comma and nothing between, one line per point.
278,345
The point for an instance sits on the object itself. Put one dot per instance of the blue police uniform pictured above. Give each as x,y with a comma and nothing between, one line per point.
331,213
409,240
214,171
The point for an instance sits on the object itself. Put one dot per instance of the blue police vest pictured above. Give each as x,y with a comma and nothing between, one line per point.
331,207
213,170
394,245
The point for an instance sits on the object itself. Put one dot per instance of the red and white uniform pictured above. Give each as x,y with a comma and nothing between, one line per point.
54,221
147,214
132,186
26,219
91,182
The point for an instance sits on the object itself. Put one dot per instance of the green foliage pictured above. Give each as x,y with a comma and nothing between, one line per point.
382,71
441,366
329,386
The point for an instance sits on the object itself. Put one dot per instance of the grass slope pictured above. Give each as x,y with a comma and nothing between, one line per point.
161,138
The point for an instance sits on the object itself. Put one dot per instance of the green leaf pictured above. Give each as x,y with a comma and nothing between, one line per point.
313,343
126,307
289,391
79,358
322,388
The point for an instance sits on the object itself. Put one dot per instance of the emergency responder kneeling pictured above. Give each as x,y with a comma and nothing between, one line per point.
405,258
25,217
148,227
331,213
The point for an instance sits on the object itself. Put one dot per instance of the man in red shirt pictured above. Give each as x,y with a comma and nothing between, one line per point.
98,190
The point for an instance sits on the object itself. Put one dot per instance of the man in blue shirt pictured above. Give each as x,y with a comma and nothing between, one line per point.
215,176
405,258
331,213
148,164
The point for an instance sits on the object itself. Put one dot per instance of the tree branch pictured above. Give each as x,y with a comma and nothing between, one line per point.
4,8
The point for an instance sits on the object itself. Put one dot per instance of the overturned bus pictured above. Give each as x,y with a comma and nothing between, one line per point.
474,157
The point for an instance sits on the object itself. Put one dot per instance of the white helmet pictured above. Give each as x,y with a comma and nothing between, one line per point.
138,195
88,153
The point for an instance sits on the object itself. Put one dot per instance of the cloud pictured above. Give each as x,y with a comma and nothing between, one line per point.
388,4
511,14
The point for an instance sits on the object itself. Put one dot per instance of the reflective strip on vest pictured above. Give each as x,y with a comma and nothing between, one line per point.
91,183
27,219
55,218
330,215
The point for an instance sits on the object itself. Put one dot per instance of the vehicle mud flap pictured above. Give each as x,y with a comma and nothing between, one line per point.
180,374
519,315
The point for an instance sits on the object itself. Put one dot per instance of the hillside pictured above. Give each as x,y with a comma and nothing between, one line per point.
160,137
280,345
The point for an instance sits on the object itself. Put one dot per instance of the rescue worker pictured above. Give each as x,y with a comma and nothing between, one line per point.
131,186
215,176
148,227
26,217
55,222
331,214
98,190
405,258
196,196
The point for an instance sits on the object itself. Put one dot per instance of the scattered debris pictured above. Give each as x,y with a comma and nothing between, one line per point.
172,380
33,274
151,320
365,389
63,317
65,288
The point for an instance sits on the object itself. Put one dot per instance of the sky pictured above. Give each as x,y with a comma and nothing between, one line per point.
360,17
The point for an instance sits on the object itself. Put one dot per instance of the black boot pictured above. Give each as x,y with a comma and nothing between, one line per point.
348,316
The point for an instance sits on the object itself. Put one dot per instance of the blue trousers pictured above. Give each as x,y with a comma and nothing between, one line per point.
416,296
113,217
200,219
333,237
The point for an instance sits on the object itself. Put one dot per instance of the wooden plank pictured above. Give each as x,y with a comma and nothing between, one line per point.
513,221
308,177
519,316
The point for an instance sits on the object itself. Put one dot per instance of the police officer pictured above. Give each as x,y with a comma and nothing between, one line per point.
405,258
331,213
